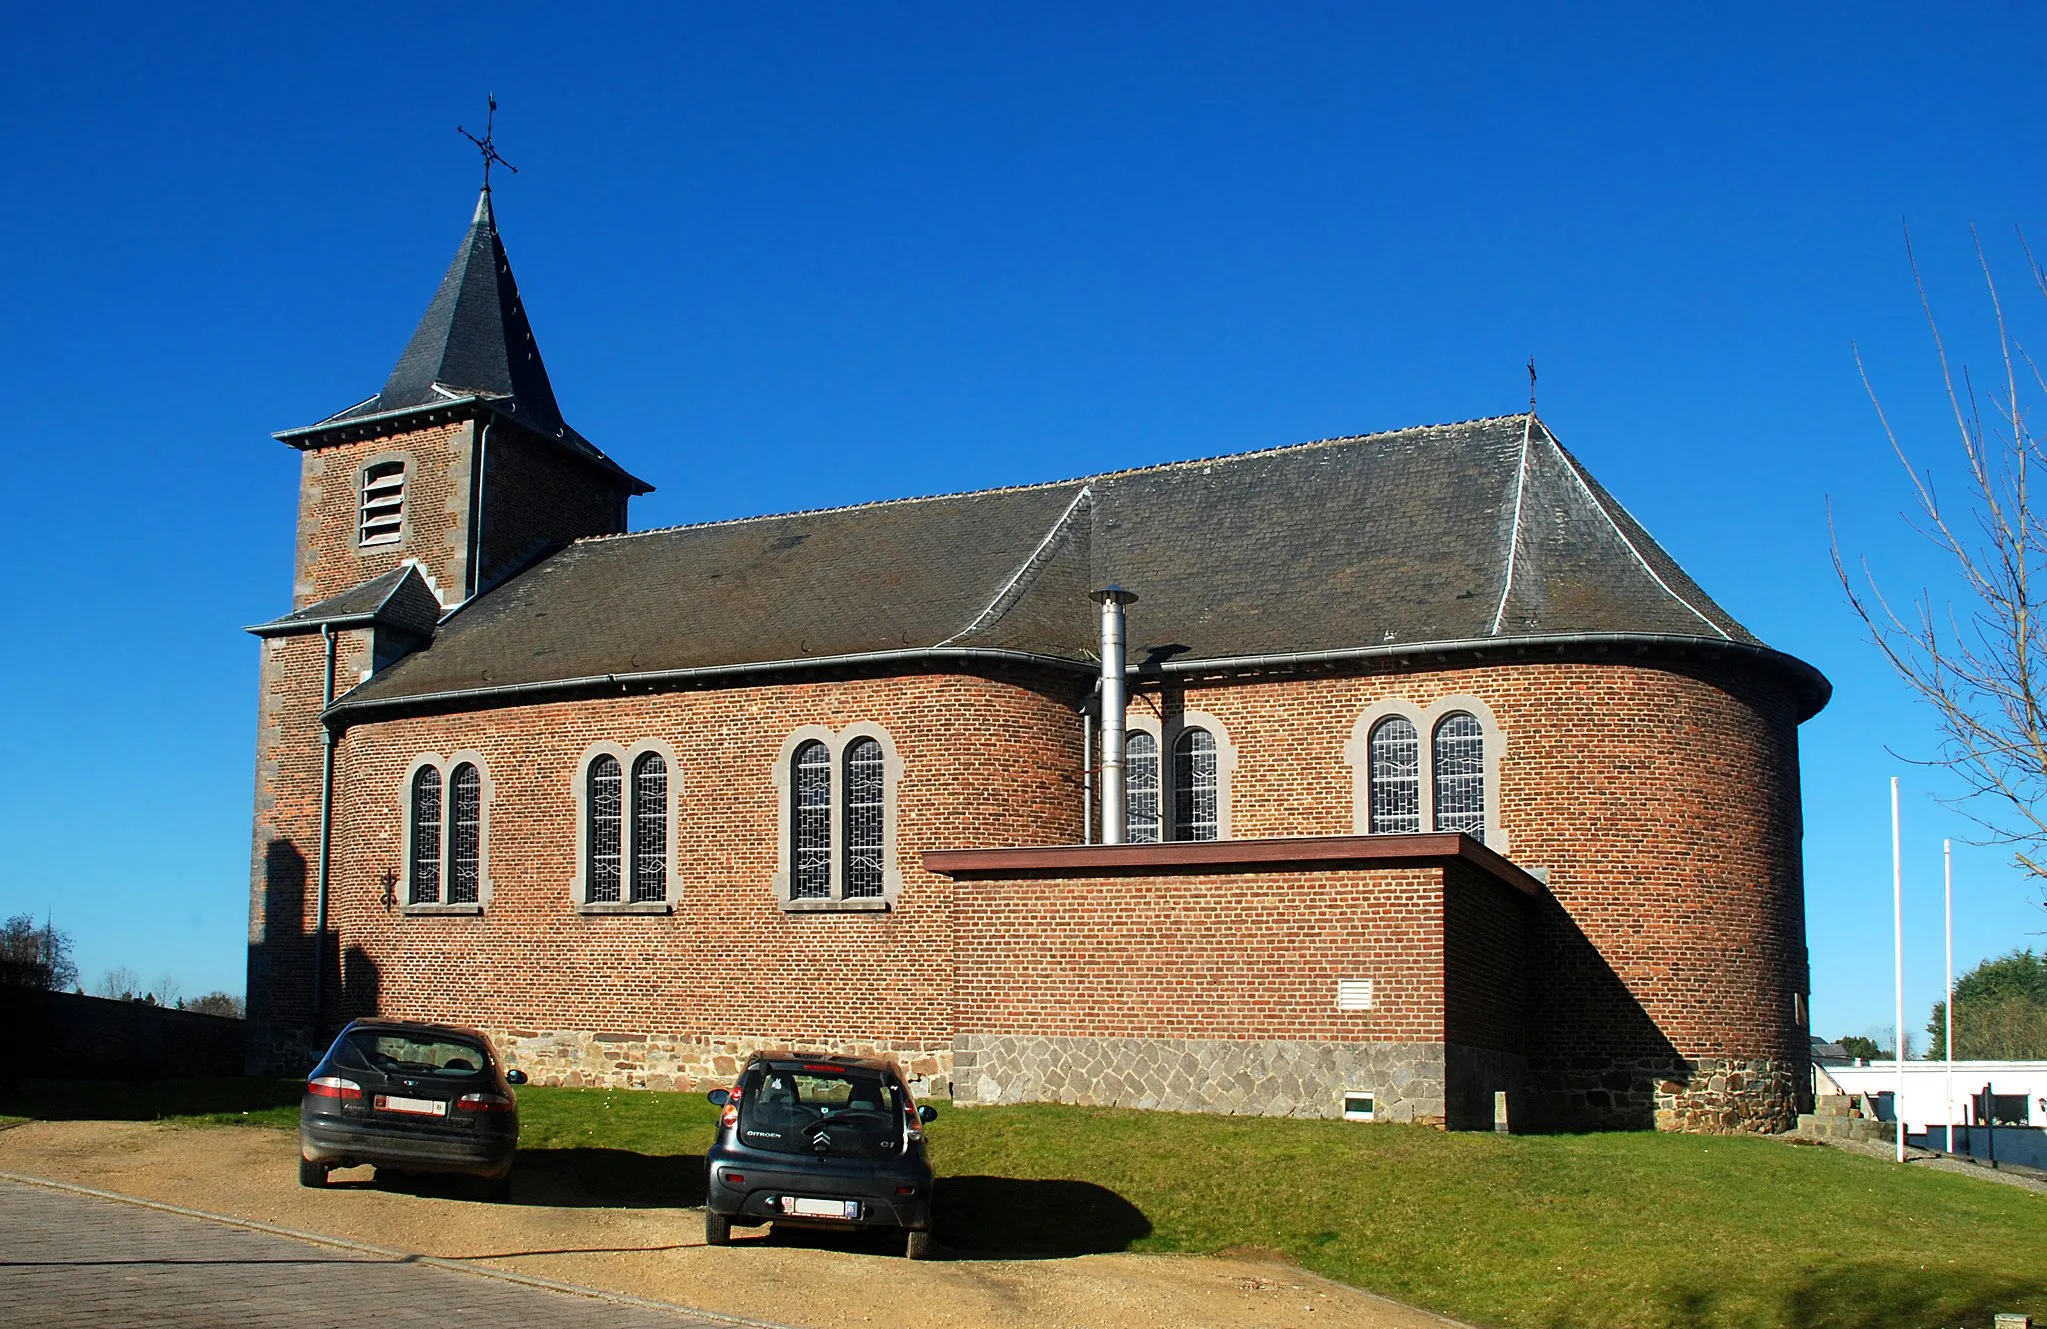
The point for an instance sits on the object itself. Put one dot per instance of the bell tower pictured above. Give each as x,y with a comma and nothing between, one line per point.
457,474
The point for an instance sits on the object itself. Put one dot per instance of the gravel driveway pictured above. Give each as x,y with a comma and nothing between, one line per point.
551,1231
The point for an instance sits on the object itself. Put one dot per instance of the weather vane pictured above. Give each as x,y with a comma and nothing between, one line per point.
1531,359
484,145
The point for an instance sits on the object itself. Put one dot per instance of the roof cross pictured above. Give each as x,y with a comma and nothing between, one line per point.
484,145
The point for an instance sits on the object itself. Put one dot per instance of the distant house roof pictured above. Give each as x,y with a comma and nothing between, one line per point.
473,349
1458,537
398,599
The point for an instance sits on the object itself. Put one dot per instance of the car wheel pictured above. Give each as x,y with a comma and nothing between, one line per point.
917,1243
311,1173
717,1229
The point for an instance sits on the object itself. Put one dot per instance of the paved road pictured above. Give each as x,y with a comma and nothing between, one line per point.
76,1260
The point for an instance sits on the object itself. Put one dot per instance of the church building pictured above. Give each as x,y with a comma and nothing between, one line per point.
1399,777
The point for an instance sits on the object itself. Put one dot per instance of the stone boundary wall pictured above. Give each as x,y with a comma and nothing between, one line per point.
586,1058
1266,1077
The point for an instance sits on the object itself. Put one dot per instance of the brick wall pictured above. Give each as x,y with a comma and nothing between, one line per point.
436,530
535,497
1199,955
986,762
1664,804
1661,800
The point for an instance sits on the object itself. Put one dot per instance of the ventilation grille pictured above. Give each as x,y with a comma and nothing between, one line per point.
1354,994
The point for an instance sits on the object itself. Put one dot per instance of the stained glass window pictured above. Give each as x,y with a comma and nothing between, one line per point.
426,837
1194,786
863,819
650,828
465,834
1460,774
810,796
1141,788
607,829
1395,786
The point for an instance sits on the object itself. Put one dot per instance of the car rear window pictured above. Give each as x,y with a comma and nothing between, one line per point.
819,1109
417,1054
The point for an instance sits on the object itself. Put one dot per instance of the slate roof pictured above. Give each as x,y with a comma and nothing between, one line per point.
473,346
399,599
1469,535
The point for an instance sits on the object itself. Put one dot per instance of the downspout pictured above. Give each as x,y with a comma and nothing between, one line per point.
1114,703
326,831
1087,766
473,575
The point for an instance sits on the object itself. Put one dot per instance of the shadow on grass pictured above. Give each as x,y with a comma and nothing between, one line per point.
1868,1296
221,1098
1012,1219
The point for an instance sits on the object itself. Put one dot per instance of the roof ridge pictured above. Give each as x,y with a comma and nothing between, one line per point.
1020,580
1055,484
1571,465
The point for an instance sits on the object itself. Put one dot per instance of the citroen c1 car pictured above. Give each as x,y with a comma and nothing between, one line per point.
824,1142
412,1098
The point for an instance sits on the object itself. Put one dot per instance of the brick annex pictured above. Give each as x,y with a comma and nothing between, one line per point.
1443,787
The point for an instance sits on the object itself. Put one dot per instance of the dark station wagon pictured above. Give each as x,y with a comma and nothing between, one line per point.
820,1142
410,1097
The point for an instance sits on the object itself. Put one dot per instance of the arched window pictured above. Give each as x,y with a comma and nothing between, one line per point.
864,795
810,796
606,805
650,828
1194,785
1459,761
465,835
1394,751
426,837
1141,788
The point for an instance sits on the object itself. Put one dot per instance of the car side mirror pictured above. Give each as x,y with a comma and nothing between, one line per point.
720,1097
927,1113
515,1077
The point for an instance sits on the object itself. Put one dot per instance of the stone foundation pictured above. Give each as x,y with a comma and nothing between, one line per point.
1729,1095
1252,1077
583,1057
1709,1096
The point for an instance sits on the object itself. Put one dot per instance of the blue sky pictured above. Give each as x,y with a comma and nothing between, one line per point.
789,256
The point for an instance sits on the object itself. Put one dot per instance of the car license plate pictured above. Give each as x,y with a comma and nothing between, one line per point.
799,1207
418,1107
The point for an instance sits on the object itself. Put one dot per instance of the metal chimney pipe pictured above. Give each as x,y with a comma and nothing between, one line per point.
1114,701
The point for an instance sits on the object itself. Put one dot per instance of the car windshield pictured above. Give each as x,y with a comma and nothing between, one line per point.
395,1053
821,1109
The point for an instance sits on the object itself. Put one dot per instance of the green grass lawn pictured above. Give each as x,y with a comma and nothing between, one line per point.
1564,1230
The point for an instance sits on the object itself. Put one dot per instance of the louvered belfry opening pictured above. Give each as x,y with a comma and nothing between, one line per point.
382,518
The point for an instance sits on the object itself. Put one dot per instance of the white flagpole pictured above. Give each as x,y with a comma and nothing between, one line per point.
1947,866
1898,964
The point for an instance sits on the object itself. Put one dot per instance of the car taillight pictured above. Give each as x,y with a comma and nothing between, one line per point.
333,1086
912,1120
484,1103
730,1117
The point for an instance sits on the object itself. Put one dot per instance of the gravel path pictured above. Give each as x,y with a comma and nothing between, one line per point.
552,1232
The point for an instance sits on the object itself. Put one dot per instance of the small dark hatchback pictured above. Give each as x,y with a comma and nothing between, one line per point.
411,1098
824,1142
